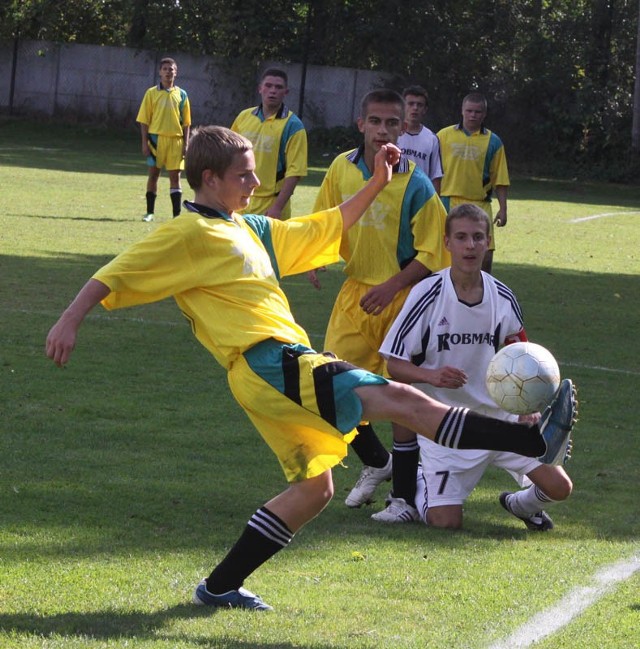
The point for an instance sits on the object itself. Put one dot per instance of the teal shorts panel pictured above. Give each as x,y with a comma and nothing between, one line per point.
319,382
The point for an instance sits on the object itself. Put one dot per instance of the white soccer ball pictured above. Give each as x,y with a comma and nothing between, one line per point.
522,378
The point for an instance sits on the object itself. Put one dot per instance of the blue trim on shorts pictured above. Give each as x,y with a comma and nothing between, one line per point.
334,381
152,141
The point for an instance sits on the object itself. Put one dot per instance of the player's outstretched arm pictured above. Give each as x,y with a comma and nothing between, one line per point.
61,340
353,208
440,377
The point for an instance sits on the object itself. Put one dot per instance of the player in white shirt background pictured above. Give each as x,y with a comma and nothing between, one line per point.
419,143
448,330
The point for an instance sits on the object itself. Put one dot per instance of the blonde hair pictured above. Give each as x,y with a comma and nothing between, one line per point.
213,148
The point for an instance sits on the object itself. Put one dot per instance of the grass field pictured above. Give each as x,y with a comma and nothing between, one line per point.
125,477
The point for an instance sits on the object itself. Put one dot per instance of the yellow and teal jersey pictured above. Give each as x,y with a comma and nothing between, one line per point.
279,146
473,163
165,111
223,271
405,222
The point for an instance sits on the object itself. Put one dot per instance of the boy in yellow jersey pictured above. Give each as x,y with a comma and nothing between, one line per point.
222,270
279,146
474,165
165,121
398,242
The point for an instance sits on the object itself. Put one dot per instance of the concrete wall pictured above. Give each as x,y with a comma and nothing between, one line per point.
105,85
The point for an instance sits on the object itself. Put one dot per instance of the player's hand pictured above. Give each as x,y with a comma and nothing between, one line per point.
501,218
448,377
273,212
312,276
378,298
146,151
386,158
61,341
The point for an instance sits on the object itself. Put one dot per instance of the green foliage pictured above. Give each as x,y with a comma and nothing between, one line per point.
559,75
334,140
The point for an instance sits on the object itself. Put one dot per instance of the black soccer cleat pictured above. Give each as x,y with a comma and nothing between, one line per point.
538,522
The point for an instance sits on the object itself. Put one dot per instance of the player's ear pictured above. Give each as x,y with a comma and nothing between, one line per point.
209,179
360,123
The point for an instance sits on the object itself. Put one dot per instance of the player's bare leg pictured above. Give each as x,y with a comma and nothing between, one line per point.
268,531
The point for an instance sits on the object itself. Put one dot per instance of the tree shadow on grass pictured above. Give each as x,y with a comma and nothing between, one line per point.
115,626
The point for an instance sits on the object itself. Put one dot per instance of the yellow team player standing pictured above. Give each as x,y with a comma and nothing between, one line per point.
474,164
165,122
398,242
279,144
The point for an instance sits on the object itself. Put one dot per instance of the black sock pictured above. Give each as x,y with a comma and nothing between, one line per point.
176,198
406,456
462,428
264,535
369,448
151,202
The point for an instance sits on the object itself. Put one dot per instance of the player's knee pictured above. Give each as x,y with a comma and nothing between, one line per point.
319,491
451,520
561,489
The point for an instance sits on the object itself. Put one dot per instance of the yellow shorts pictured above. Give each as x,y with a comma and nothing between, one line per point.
165,152
452,201
302,403
355,335
260,204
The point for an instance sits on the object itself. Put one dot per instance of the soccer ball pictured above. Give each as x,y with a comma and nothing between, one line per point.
522,378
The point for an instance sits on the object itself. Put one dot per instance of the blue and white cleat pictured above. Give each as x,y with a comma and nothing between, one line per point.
557,422
240,598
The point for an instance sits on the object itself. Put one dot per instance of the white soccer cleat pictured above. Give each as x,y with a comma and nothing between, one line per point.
397,511
369,479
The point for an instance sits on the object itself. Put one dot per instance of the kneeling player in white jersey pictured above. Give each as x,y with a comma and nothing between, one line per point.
450,327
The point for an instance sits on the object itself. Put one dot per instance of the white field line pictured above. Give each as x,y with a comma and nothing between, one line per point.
572,605
602,216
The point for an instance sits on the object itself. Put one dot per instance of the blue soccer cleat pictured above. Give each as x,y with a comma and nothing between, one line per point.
557,422
240,598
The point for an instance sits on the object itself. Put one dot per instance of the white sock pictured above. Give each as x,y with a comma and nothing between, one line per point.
528,502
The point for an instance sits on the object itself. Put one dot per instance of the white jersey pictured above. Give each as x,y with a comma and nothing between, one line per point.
434,329
424,149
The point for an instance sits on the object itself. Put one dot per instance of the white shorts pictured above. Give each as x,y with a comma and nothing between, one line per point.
447,476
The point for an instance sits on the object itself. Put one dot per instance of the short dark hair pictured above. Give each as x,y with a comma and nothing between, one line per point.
275,72
380,96
212,147
167,59
416,91
475,98
467,211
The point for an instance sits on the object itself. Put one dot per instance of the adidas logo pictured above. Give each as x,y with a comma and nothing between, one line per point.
443,323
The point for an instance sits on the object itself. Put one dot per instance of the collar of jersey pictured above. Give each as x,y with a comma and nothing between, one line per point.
161,87
357,155
482,131
283,111
207,212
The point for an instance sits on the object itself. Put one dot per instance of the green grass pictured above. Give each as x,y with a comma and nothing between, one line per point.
125,477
